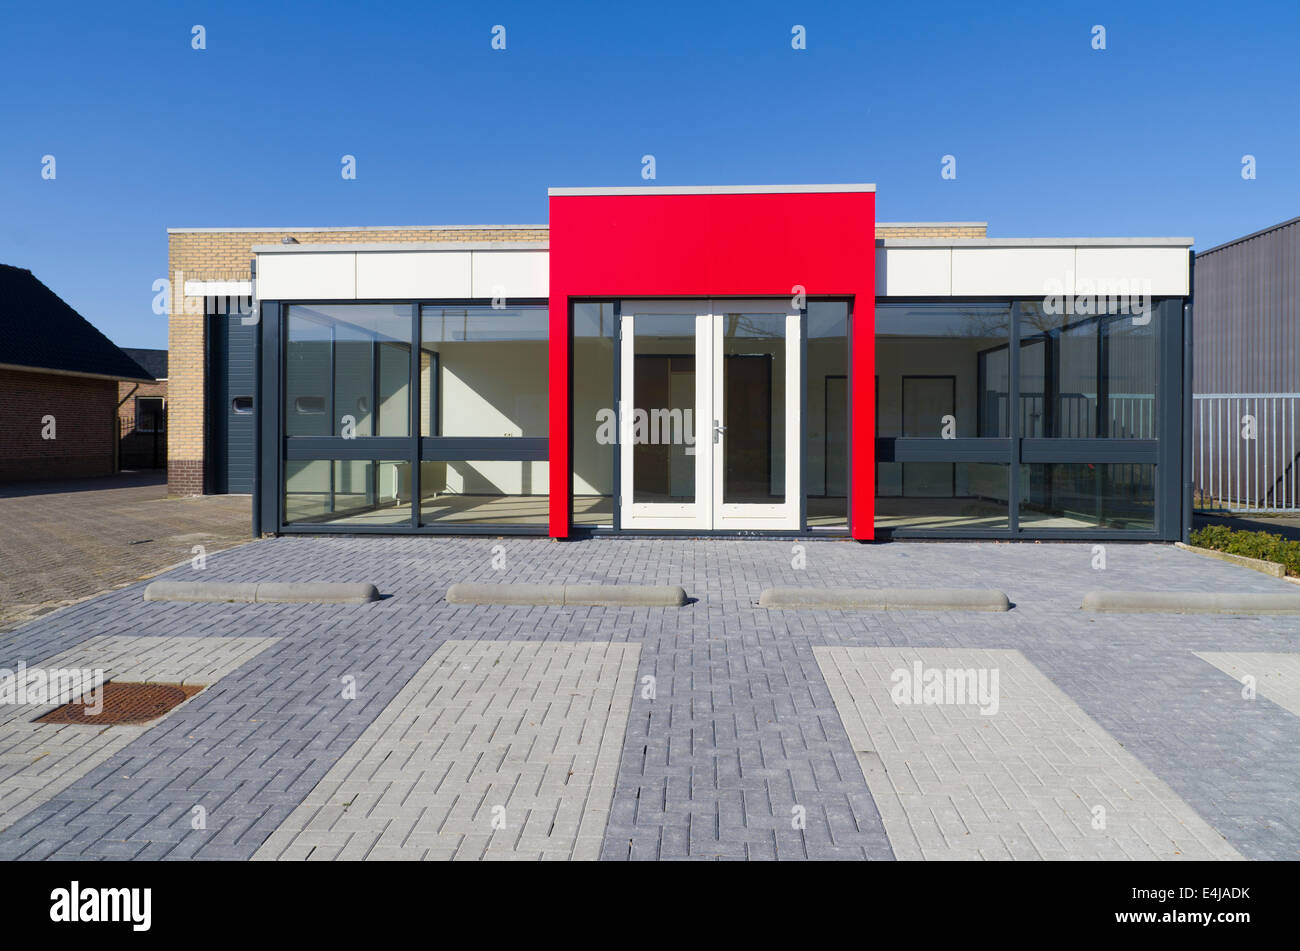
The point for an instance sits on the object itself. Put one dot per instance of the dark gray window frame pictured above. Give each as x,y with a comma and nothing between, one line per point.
1166,451
275,447
1170,451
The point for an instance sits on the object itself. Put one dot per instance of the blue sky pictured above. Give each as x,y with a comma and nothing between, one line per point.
1051,137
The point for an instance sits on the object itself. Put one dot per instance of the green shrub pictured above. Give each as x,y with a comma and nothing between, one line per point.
1261,545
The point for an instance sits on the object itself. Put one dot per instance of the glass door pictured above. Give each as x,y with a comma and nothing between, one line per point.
665,482
757,390
710,415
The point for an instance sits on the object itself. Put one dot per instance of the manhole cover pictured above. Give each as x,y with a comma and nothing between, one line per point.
124,703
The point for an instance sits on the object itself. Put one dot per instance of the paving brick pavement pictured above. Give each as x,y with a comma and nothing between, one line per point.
1274,676
494,749
974,754
742,726
62,542
38,760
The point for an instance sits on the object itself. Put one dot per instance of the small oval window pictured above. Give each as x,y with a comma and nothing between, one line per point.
309,405
243,405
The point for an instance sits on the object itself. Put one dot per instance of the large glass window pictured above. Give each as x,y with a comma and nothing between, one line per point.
595,426
956,422
485,492
826,414
347,491
483,371
347,370
1088,496
483,378
1087,376
943,373
956,342
663,403
950,495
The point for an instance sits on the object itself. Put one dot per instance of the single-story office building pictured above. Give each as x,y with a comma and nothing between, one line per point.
754,359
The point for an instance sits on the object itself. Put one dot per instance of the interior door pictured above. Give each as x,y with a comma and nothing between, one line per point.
757,390
928,401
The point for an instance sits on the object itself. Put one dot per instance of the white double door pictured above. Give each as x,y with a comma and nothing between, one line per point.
709,415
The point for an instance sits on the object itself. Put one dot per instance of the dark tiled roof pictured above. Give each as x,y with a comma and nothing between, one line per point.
155,361
38,330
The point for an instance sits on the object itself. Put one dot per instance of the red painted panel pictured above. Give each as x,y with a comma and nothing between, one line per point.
560,412
715,246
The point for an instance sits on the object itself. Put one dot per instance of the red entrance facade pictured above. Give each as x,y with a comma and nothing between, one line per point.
763,241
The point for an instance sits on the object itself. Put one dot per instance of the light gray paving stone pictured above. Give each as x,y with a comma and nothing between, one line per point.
524,733
883,697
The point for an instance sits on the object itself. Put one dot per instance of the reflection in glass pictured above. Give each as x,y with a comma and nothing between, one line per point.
483,371
594,423
1086,376
1087,495
484,493
963,342
663,408
753,384
826,415
350,491
348,370
950,495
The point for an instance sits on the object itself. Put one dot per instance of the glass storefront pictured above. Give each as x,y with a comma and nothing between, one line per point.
996,418
1014,419
381,434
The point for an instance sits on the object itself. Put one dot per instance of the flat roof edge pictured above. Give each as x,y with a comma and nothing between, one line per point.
707,190
1035,242
359,228
344,247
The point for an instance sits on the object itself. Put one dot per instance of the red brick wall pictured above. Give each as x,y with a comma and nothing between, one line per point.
85,419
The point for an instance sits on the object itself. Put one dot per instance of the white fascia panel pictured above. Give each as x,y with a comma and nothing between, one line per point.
386,275
511,274
320,276
218,288
1003,272
913,272
1158,271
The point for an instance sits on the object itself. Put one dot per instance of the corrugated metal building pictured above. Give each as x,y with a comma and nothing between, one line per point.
1246,372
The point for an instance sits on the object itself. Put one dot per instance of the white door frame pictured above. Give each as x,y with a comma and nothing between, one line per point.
692,516
708,511
781,516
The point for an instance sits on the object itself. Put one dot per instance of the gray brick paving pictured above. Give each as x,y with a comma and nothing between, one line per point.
742,727
37,760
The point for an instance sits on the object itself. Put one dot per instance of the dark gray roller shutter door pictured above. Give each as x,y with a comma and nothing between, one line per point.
231,413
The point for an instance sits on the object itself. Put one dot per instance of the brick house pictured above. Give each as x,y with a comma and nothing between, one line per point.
59,380
142,413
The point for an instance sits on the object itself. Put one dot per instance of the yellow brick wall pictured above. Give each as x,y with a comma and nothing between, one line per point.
937,229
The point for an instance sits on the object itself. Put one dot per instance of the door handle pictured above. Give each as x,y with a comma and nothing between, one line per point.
718,430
